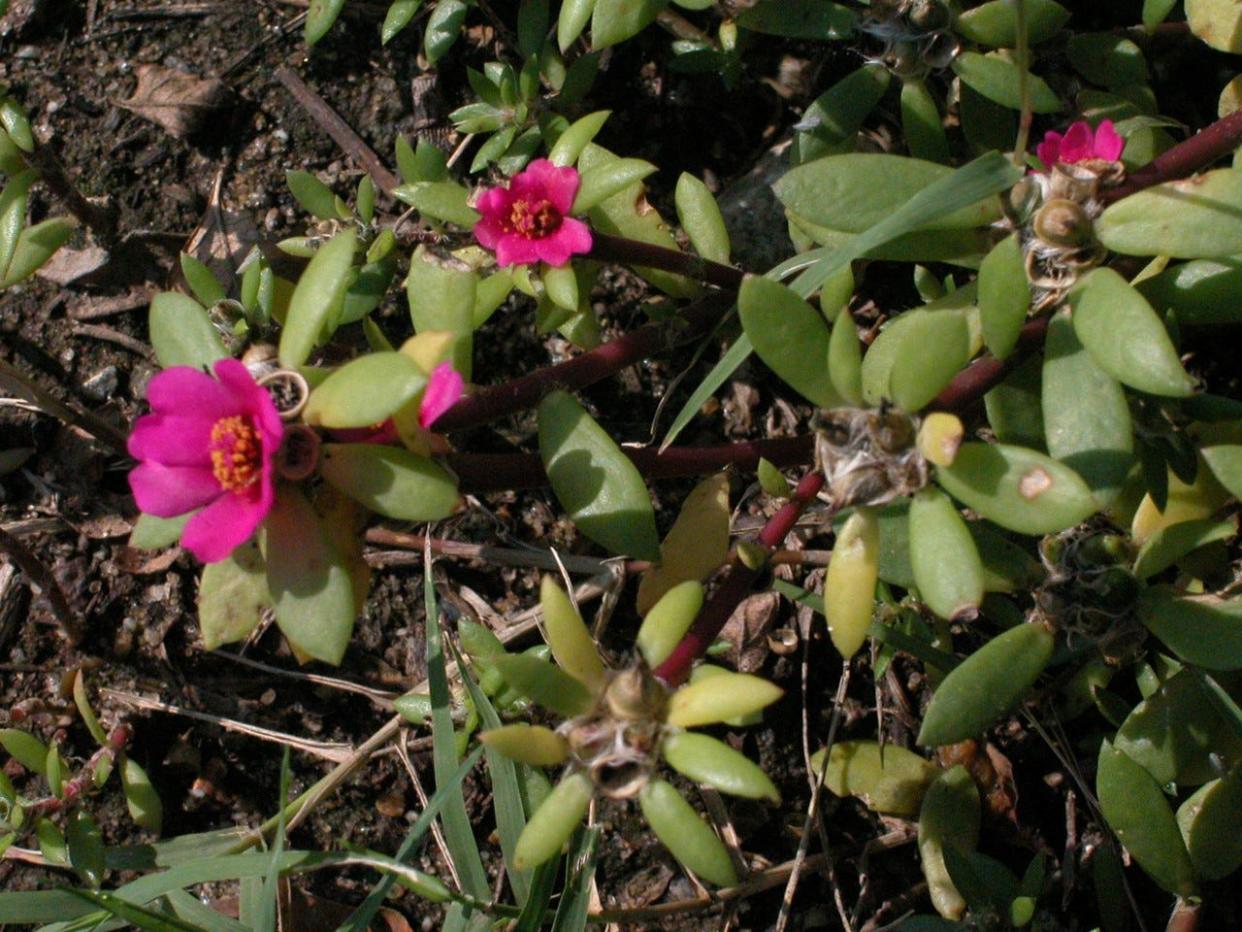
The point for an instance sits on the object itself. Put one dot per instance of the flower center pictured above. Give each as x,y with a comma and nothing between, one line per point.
533,220
236,455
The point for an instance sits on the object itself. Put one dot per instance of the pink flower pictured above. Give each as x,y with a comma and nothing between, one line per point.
207,444
526,221
443,389
1079,144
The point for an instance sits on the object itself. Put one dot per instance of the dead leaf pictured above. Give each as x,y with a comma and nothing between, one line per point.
223,238
747,630
176,100
72,265
103,527
137,562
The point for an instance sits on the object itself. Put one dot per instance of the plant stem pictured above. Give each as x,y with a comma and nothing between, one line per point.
986,372
497,472
608,248
591,367
1183,160
738,581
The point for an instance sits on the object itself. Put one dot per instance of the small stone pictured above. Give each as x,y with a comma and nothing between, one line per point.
102,385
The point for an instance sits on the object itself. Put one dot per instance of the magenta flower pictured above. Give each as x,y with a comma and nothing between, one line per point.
1079,144
526,221
443,389
207,444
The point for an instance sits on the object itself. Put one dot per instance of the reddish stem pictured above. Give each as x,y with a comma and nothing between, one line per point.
738,581
496,472
1183,160
591,367
986,372
608,248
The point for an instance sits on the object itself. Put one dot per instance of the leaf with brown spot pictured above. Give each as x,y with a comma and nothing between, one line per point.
176,100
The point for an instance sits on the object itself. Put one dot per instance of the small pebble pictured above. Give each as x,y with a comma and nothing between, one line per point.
102,385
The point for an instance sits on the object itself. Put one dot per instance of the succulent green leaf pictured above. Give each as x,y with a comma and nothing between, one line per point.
152,533
1204,630
594,480
400,14
440,200
554,821
571,20
608,179
1199,217
1086,415
921,122
232,595
995,23
946,564
853,192
365,391
789,335
1216,22
1209,824
26,749
1225,462
315,305
949,817
1201,291
544,683
1175,731
800,19
15,123
986,685
889,779
614,21
915,357
561,285
567,635
35,245
308,579
1136,809
1004,296
707,760
718,698
442,294
998,79
320,16
390,481
833,119
1172,542
529,744
845,358
1017,488
314,196
86,848
181,332
143,801
13,215
1109,60
443,27
685,834
572,141
52,842
668,620
700,217
849,584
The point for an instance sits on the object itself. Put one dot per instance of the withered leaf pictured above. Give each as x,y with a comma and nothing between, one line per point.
176,100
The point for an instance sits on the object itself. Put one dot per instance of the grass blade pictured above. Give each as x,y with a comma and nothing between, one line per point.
138,916
269,900
571,915
506,794
194,911
458,832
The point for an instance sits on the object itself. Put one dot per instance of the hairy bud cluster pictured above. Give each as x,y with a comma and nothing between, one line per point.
911,37
868,456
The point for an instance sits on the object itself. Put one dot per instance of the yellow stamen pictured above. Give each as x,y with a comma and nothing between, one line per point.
533,220
236,454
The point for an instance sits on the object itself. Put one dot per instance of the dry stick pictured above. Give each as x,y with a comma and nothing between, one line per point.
12,380
591,367
39,575
500,556
1183,160
738,580
340,131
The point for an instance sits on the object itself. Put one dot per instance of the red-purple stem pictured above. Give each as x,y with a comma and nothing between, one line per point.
1183,160
738,581
608,248
496,472
591,367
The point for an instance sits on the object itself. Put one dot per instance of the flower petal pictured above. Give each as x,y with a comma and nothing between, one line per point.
253,399
488,232
187,391
172,440
559,183
494,202
513,249
1108,144
443,389
168,491
573,237
1050,148
223,526
1078,143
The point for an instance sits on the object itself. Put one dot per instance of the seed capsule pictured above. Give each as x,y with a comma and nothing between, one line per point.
1062,222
